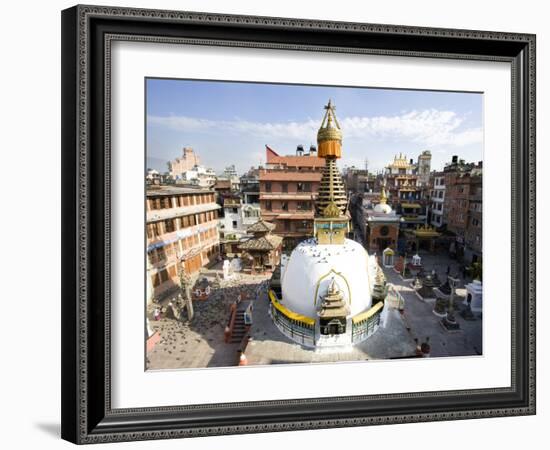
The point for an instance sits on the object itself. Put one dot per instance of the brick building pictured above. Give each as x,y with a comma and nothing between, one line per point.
359,180
288,188
188,160
473,235
402,181
182,233
462,211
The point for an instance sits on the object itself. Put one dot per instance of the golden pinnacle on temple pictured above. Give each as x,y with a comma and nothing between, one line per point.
329,136
331,220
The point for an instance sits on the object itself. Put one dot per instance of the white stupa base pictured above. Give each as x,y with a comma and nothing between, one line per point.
340,341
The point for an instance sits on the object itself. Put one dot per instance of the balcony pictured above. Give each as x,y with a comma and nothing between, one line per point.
288,196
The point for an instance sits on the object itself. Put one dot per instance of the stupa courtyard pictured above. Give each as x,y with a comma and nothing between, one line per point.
200,343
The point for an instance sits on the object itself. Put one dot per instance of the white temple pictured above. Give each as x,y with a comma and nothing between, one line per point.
331,291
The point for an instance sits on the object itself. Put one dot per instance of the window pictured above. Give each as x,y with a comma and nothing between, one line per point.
169,225
268,187
153,230
163,275
284,187
155,279
286,225
303,206
234,223
268,205
234,210
284,206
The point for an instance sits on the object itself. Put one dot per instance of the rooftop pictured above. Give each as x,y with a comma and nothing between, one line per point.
176,190
261,227
268,242
170,213
313,161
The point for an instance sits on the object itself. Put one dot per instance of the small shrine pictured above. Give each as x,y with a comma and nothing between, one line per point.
388,257
435,279
380,288
442,301
426,292
333,312
382,225
474,296
201,290
262,252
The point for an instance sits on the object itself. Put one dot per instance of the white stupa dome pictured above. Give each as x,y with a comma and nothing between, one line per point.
310,269
383,208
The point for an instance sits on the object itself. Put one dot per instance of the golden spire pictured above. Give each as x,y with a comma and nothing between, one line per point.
329,136
331,220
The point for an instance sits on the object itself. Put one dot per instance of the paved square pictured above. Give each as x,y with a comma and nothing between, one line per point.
201,342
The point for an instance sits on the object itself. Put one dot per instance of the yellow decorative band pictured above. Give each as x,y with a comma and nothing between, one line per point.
288,313
361,317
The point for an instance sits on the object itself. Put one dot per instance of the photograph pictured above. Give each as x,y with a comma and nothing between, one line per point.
287,221
310,224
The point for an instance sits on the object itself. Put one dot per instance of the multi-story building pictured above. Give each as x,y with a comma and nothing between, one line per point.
463,206
402,181
437,199
423,168
359,180
182,234
250,187
198,176
288,188
473,235
179,166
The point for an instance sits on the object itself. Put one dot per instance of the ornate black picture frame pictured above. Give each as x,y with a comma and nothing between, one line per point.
87,34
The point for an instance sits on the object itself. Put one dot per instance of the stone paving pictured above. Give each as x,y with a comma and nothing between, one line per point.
201,342
423,323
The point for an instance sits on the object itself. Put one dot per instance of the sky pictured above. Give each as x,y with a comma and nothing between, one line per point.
231,123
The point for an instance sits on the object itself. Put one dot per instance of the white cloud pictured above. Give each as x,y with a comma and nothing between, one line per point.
429,127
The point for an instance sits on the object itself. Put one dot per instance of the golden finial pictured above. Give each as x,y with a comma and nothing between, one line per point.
330,128
383,198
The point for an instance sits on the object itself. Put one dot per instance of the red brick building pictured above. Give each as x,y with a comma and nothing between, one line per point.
288,188
463,211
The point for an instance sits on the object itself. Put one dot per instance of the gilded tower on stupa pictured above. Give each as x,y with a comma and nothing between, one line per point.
331,218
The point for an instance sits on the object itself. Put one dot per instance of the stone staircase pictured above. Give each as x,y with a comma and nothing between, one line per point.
239,327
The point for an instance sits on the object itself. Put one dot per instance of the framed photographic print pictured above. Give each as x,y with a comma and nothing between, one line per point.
283,224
